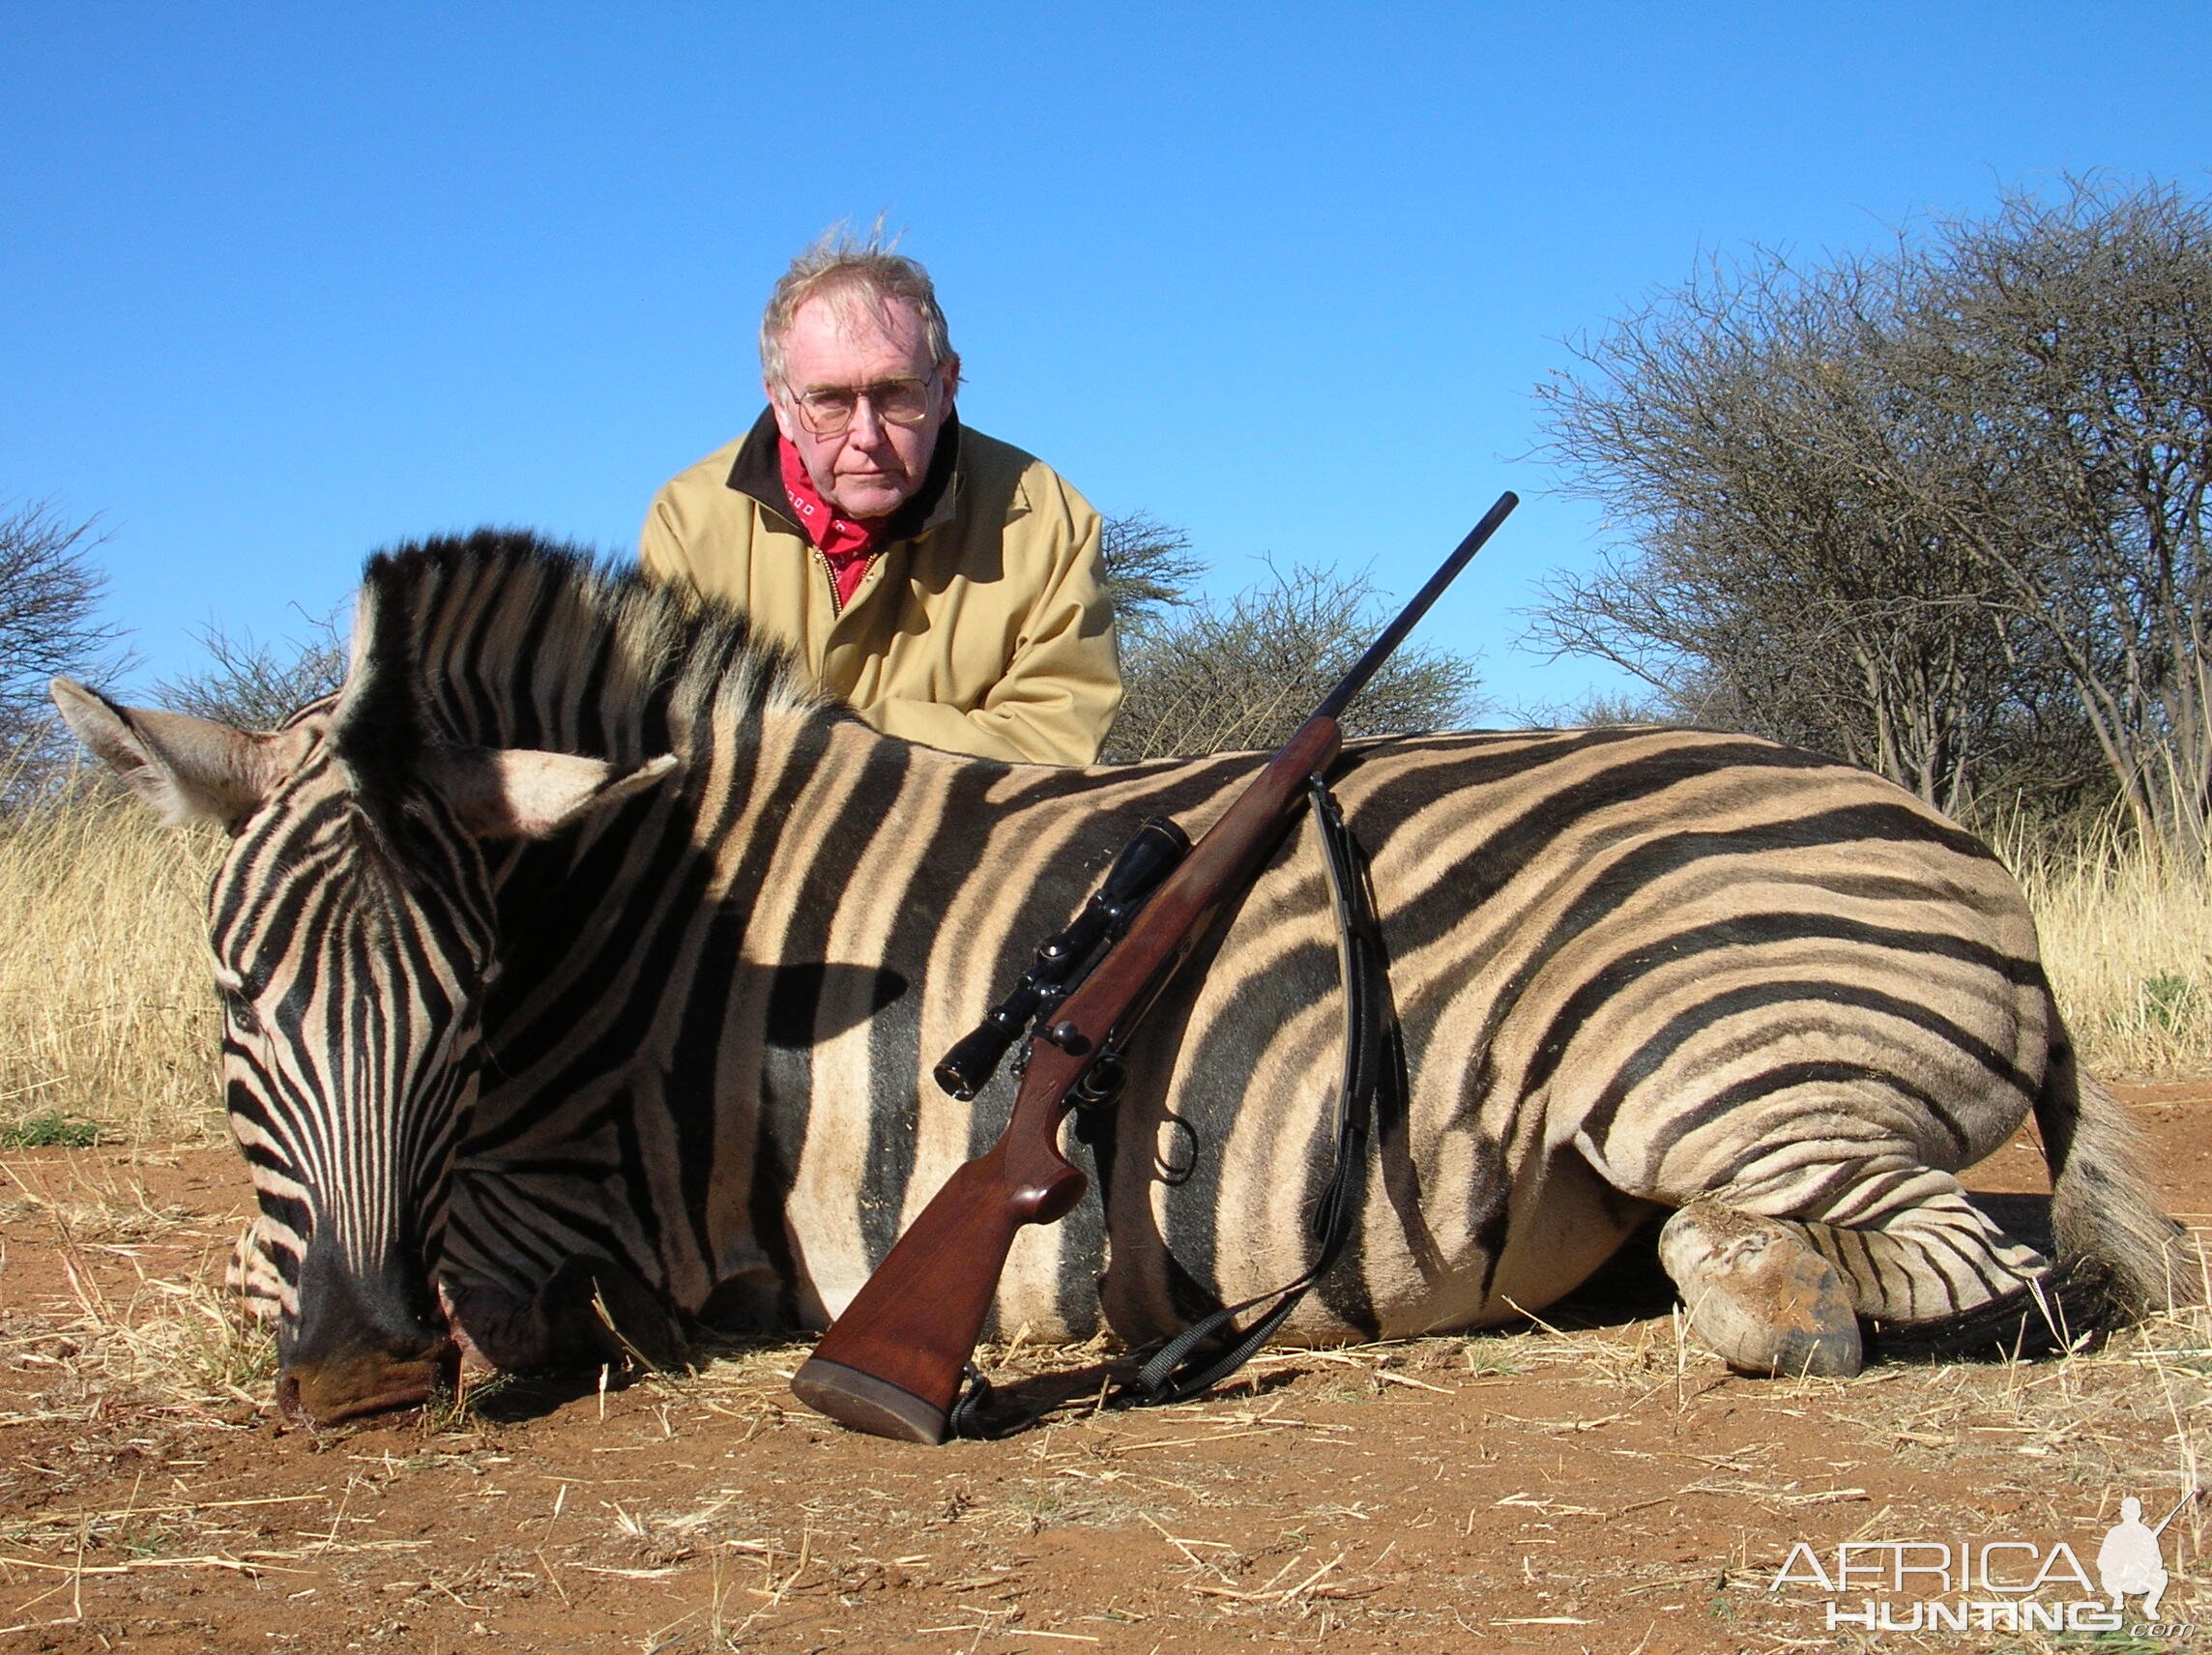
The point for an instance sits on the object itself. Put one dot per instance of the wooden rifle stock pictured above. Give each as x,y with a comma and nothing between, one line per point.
893,1361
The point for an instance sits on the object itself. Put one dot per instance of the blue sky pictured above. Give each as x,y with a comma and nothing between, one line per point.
282,283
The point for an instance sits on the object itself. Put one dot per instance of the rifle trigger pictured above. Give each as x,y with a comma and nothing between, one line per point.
1100,1083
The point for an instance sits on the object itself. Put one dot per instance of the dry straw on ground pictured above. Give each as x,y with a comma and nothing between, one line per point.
163,1337
1602,1478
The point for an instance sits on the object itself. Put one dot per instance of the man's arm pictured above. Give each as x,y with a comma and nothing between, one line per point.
1062,682
691,512
658,553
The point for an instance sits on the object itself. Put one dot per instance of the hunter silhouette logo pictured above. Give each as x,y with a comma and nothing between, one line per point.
2131,1561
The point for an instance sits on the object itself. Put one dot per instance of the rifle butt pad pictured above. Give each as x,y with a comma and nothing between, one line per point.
866,1403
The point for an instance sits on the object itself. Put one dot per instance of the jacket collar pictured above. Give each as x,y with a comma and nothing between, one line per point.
757,474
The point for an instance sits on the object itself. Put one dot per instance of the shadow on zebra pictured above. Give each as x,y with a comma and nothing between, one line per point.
583,971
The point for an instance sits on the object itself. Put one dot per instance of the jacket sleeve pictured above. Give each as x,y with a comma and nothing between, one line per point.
1061,686
661,549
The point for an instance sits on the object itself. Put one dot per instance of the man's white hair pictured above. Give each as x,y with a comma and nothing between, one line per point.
843,265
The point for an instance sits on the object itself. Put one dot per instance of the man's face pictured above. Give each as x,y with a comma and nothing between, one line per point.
851,342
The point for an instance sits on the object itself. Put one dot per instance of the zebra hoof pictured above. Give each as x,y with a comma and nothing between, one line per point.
1758,1296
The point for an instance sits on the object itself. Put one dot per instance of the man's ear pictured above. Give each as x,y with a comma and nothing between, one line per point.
775,403
518,792
187,769
949,370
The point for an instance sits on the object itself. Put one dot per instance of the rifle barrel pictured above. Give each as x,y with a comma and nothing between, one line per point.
1338,699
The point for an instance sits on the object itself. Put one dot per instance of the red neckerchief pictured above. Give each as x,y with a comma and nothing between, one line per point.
848,545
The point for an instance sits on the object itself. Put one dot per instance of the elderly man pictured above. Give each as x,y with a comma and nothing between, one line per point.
946,585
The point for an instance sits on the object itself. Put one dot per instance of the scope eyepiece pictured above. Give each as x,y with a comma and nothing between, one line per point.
966,1070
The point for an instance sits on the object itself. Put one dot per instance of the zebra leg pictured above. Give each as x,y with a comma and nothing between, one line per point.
1938,1279
1907,1254
590,1311
598,1309
251,1276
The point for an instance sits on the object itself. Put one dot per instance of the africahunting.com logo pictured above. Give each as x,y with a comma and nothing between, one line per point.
1993,1585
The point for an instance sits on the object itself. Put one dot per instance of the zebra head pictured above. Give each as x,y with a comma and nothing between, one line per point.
352,931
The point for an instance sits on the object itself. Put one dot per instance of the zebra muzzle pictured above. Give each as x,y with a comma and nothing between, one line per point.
358,1388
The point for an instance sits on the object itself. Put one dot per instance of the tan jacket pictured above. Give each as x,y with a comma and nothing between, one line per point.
982,627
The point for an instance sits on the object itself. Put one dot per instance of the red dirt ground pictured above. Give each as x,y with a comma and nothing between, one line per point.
1593,1488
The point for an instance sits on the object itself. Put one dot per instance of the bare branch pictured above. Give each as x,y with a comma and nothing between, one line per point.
50,592
1150,569
255,685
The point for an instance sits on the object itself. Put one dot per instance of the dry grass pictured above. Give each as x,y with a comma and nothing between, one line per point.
2127,938
106,1012
1599,1427
2158,1370
167,1345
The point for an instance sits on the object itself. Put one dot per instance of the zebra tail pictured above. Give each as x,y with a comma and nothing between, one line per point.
2103,1210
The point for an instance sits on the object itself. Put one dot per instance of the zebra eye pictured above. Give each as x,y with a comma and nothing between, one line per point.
242,1014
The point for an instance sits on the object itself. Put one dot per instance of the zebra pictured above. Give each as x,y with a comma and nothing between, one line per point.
583,970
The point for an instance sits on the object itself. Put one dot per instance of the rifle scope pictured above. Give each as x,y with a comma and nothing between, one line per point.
1064,958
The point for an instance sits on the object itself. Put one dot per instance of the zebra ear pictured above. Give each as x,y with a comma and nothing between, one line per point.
518,792
188,769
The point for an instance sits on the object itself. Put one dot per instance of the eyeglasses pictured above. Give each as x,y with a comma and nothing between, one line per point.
827,410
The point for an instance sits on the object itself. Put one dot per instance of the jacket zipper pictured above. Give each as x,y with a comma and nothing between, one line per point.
822,563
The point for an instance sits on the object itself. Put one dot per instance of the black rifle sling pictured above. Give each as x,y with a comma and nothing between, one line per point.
1196,1359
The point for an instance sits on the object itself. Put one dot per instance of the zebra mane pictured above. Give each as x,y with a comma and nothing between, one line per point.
506,638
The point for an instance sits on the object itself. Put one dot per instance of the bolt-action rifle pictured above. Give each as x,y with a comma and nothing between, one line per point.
894,1362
